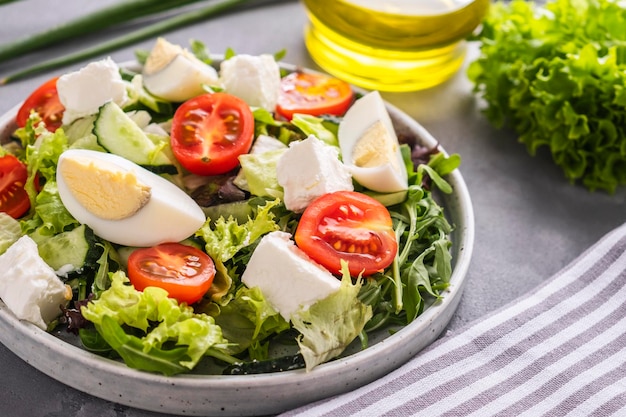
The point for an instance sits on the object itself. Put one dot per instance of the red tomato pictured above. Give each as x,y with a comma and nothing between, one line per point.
45,101
351,226
314,94
13,198
185,272
210,131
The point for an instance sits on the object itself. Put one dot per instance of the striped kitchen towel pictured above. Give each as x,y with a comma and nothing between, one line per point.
559,350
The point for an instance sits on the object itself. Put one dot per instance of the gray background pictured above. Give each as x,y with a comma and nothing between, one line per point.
530,222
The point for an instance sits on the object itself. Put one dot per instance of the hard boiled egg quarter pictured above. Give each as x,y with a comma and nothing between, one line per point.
123,202
175,74
369,146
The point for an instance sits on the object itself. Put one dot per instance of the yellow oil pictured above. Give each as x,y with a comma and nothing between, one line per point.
391,45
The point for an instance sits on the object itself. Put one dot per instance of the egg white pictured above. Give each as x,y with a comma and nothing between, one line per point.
181,79
170,215
364,113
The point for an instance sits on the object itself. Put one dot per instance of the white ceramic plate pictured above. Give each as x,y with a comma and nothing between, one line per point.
201,395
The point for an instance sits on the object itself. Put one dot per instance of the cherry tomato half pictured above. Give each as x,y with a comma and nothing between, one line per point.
313,94
45,101
351,226
210,131
13,198
185,272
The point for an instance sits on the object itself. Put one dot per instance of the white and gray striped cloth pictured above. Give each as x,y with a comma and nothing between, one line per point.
560,350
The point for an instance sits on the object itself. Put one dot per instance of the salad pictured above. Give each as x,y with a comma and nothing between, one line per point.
191,211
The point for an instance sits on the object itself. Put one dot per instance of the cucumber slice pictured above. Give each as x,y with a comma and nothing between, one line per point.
120,135
70,251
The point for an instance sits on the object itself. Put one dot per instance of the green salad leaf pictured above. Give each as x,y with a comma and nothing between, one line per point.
10,231
224,238
50,217
312,125
122,307
556,74
249,319
331,324
259,171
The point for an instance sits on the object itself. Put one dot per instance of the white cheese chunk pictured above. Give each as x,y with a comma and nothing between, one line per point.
82,92
287,277
28,286
310,169
254,79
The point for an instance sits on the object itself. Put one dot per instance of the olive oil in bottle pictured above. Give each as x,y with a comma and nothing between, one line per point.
391,45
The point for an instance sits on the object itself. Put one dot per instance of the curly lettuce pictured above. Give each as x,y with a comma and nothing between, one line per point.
556,74
150,331
331,324
224,238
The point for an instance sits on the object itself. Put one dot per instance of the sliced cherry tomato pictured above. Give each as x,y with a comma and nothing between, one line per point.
13,198
210,131
350,226
314,94
45,101
185,272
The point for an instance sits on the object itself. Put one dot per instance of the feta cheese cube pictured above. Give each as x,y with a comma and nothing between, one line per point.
310,169
82,92
254,79
287,277
28,286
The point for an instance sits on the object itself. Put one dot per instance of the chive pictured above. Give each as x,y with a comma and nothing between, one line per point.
113,15
124,40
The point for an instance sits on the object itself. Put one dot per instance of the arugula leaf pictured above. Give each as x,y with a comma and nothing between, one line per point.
555,74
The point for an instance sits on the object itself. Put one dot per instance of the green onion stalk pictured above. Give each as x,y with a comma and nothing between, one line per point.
101,19
155,29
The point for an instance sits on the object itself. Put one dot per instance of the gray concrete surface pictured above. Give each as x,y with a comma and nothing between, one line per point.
530,222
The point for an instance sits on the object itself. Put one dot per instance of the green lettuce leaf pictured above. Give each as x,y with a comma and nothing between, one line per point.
259,171
50,215
330,325
192,335
224,238
311,125
42,157
10,231
555,73
248,319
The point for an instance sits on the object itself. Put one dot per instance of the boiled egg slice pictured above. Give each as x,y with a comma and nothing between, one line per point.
370,147
175,74
123,202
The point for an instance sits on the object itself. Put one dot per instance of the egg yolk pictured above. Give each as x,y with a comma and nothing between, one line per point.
104,189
